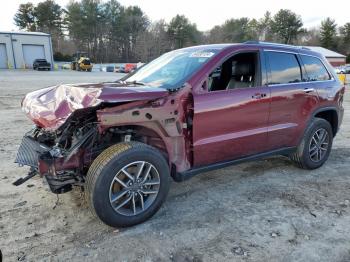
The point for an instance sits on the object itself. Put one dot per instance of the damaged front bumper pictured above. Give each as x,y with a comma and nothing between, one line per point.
29,152
48,162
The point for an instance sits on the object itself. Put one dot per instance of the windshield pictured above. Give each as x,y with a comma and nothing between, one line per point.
172,69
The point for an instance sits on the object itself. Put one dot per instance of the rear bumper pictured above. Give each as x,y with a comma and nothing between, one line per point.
43,66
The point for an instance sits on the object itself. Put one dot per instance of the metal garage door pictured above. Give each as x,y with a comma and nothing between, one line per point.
32,52
3,56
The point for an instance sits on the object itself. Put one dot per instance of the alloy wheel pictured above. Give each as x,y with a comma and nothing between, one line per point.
134,188
319,144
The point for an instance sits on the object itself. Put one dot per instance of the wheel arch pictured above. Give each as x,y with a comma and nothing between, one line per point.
330,114
151,137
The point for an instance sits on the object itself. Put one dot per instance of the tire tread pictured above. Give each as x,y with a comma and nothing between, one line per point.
298,156
101,162
96,167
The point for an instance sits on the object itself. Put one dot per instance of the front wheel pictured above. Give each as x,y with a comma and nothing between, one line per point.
127,183
315,146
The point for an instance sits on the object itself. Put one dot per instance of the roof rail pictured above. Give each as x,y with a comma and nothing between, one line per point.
271,44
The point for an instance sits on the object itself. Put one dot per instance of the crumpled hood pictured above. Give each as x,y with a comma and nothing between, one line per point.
50,107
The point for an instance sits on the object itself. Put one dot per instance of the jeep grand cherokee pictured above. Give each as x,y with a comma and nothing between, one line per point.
188,111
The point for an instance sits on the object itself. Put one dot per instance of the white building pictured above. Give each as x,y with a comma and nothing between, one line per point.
334,58
18,50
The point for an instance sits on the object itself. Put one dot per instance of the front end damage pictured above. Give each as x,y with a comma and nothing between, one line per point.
75,124
57,156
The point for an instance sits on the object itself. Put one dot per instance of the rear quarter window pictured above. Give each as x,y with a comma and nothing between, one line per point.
284,68
315,69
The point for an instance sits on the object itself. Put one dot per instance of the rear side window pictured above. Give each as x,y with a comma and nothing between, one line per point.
284,68
315,69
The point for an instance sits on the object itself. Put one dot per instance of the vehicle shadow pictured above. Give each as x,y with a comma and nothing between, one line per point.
200,199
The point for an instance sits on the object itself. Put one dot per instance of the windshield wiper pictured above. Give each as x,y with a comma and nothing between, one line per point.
135,83
130,82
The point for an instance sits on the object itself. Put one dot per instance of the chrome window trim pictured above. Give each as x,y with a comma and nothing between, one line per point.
300,66
280,51
332,77
299,83
306,82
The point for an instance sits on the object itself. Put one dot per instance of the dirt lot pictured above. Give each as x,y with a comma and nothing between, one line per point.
267,210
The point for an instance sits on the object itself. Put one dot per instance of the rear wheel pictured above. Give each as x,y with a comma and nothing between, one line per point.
315,146
127,183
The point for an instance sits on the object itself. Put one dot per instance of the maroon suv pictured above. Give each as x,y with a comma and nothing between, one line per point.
190,110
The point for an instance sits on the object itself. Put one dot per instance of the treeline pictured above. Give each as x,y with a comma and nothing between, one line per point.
111,32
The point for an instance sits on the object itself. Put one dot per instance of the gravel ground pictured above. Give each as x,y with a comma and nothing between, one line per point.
266,210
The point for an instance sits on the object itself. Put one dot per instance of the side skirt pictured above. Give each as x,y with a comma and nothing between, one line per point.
182,176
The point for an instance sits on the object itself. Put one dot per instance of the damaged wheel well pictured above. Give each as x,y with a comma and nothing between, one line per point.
141,134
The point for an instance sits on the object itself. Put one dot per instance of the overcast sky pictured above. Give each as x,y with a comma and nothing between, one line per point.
207,14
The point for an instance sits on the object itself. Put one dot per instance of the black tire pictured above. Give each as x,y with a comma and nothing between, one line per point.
302,155
102,173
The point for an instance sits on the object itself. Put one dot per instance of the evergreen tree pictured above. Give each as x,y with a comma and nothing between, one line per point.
25,17
287,26
328,33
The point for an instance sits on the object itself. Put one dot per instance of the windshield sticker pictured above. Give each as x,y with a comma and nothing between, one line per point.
202,54
202,60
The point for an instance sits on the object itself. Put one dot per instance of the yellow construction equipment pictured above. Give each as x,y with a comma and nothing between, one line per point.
342,78
81,62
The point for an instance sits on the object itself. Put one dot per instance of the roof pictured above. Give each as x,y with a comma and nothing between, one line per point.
326,52
24,33
312,50
208,46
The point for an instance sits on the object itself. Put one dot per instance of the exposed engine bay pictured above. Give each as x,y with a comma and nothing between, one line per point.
64,155
62,151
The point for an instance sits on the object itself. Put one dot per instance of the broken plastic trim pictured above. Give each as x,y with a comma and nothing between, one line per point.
33,172
29,151
60,184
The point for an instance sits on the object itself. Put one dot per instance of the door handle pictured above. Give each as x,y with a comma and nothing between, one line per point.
309,90
258,96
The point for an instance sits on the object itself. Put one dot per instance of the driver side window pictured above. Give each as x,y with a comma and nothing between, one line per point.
239,71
